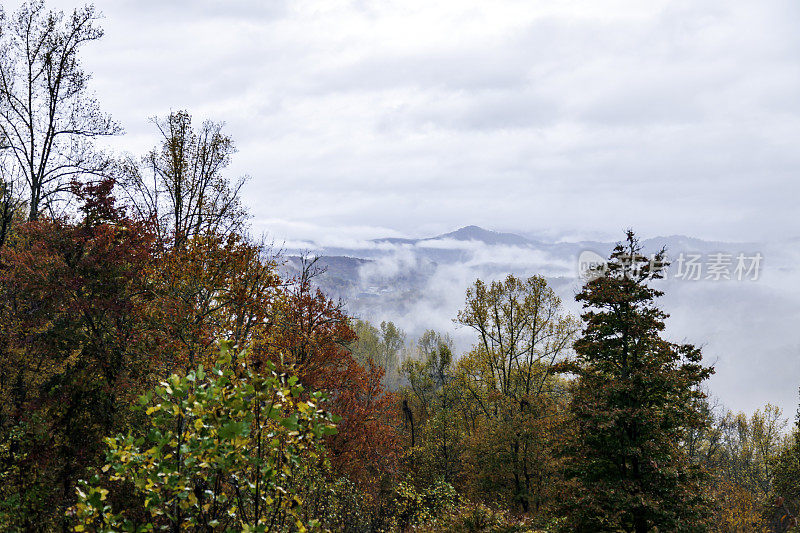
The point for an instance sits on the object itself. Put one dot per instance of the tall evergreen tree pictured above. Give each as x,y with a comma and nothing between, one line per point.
632,406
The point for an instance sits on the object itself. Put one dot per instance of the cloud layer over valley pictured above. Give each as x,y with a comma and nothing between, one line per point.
747,327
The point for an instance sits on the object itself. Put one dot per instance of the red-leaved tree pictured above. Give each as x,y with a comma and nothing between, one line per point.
310,335
74,343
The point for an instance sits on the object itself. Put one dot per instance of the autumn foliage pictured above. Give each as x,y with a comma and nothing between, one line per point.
96,310
75,342
310,335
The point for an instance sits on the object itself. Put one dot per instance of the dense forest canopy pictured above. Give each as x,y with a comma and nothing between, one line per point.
158,373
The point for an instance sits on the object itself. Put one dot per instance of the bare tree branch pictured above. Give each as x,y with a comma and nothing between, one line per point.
47,115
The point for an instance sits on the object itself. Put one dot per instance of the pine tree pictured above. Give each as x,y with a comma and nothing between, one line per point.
633,406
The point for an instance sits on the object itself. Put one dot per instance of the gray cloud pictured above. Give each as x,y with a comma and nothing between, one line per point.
670,116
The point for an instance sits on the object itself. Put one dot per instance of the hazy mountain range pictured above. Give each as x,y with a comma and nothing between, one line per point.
748,327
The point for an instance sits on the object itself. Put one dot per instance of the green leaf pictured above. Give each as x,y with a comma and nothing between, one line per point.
232,429
290,422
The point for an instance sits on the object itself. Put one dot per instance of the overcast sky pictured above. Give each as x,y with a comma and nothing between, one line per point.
561,119
564,119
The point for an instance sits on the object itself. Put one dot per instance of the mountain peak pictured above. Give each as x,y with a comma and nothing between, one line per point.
476,233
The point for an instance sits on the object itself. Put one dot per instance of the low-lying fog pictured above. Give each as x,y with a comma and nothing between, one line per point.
747,320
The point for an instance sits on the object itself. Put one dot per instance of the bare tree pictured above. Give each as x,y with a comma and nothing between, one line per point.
49,119
180,184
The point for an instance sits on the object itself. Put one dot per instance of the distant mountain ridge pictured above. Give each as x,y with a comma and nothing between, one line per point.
494,238
436,249
396,270
467,233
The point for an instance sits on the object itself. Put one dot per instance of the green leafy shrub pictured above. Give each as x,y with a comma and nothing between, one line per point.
414,505
222,453
470,517
23,486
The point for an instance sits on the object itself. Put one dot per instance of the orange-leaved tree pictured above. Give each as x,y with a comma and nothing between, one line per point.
213,286
310,334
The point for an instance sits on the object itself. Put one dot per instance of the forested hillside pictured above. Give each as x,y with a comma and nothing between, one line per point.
163,369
